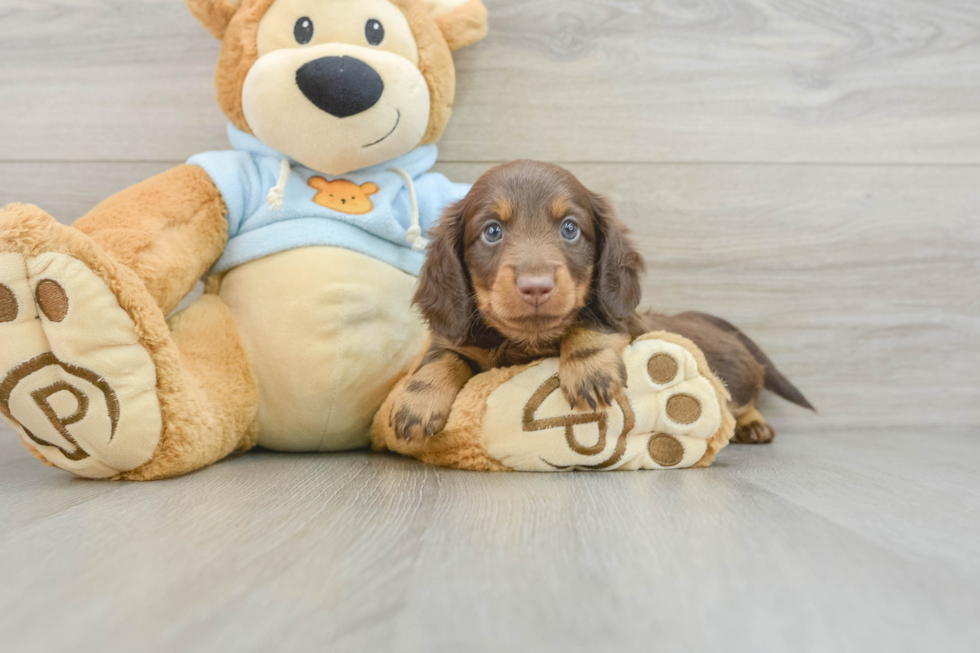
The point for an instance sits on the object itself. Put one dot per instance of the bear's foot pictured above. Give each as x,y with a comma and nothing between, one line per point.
666,417
77,382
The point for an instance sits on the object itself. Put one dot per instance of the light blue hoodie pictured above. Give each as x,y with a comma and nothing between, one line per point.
257,228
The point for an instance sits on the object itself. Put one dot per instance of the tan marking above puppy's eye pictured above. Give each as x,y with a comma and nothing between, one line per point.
560,207
503,208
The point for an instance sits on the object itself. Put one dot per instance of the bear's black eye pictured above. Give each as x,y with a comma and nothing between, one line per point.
303,30
374,32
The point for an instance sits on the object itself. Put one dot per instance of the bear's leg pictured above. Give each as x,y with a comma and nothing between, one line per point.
212,411
91,376
169,230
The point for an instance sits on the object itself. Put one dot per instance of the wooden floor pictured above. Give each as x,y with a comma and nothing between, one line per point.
843,541
809,169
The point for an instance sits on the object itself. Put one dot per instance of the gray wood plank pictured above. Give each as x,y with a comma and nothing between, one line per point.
850,541
863,283
564,80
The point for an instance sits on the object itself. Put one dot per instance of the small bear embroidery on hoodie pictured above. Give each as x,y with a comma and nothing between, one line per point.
344,196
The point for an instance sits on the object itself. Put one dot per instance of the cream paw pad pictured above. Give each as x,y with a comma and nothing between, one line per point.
673,414
75,382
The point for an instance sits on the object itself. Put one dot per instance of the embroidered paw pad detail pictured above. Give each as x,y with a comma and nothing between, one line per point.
76,382
663,419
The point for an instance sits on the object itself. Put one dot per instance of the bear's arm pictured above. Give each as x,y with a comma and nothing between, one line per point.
169,229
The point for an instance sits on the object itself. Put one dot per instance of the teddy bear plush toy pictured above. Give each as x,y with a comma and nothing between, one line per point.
310,231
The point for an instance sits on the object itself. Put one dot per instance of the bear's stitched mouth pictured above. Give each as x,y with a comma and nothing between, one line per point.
397,120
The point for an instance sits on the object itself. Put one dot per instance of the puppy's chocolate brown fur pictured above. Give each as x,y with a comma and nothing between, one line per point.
532,264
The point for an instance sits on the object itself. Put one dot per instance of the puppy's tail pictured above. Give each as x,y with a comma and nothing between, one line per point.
775,381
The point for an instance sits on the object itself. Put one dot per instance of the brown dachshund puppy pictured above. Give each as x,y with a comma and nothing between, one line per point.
531,264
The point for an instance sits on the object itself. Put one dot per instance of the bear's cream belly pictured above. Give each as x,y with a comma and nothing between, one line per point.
328,332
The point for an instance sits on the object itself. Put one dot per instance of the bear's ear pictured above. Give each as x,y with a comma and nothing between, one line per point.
214,14
462,22
370,188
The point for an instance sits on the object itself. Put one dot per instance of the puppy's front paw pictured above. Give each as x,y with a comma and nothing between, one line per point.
591,379
421,411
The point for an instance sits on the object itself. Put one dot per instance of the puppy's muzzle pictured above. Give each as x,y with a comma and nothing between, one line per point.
340,86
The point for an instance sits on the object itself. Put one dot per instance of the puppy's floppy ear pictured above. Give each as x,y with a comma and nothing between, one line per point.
444,295
616,285
462,22
214,14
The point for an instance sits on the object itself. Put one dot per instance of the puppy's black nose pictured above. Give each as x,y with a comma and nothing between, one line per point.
341,86
535,290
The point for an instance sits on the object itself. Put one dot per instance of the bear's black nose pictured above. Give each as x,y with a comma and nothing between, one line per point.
341,86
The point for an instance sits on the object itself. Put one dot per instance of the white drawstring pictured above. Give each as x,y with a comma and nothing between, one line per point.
414,235
278,192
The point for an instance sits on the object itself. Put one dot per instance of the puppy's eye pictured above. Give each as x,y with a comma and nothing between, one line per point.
303,30
374,32
570,230
493,233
